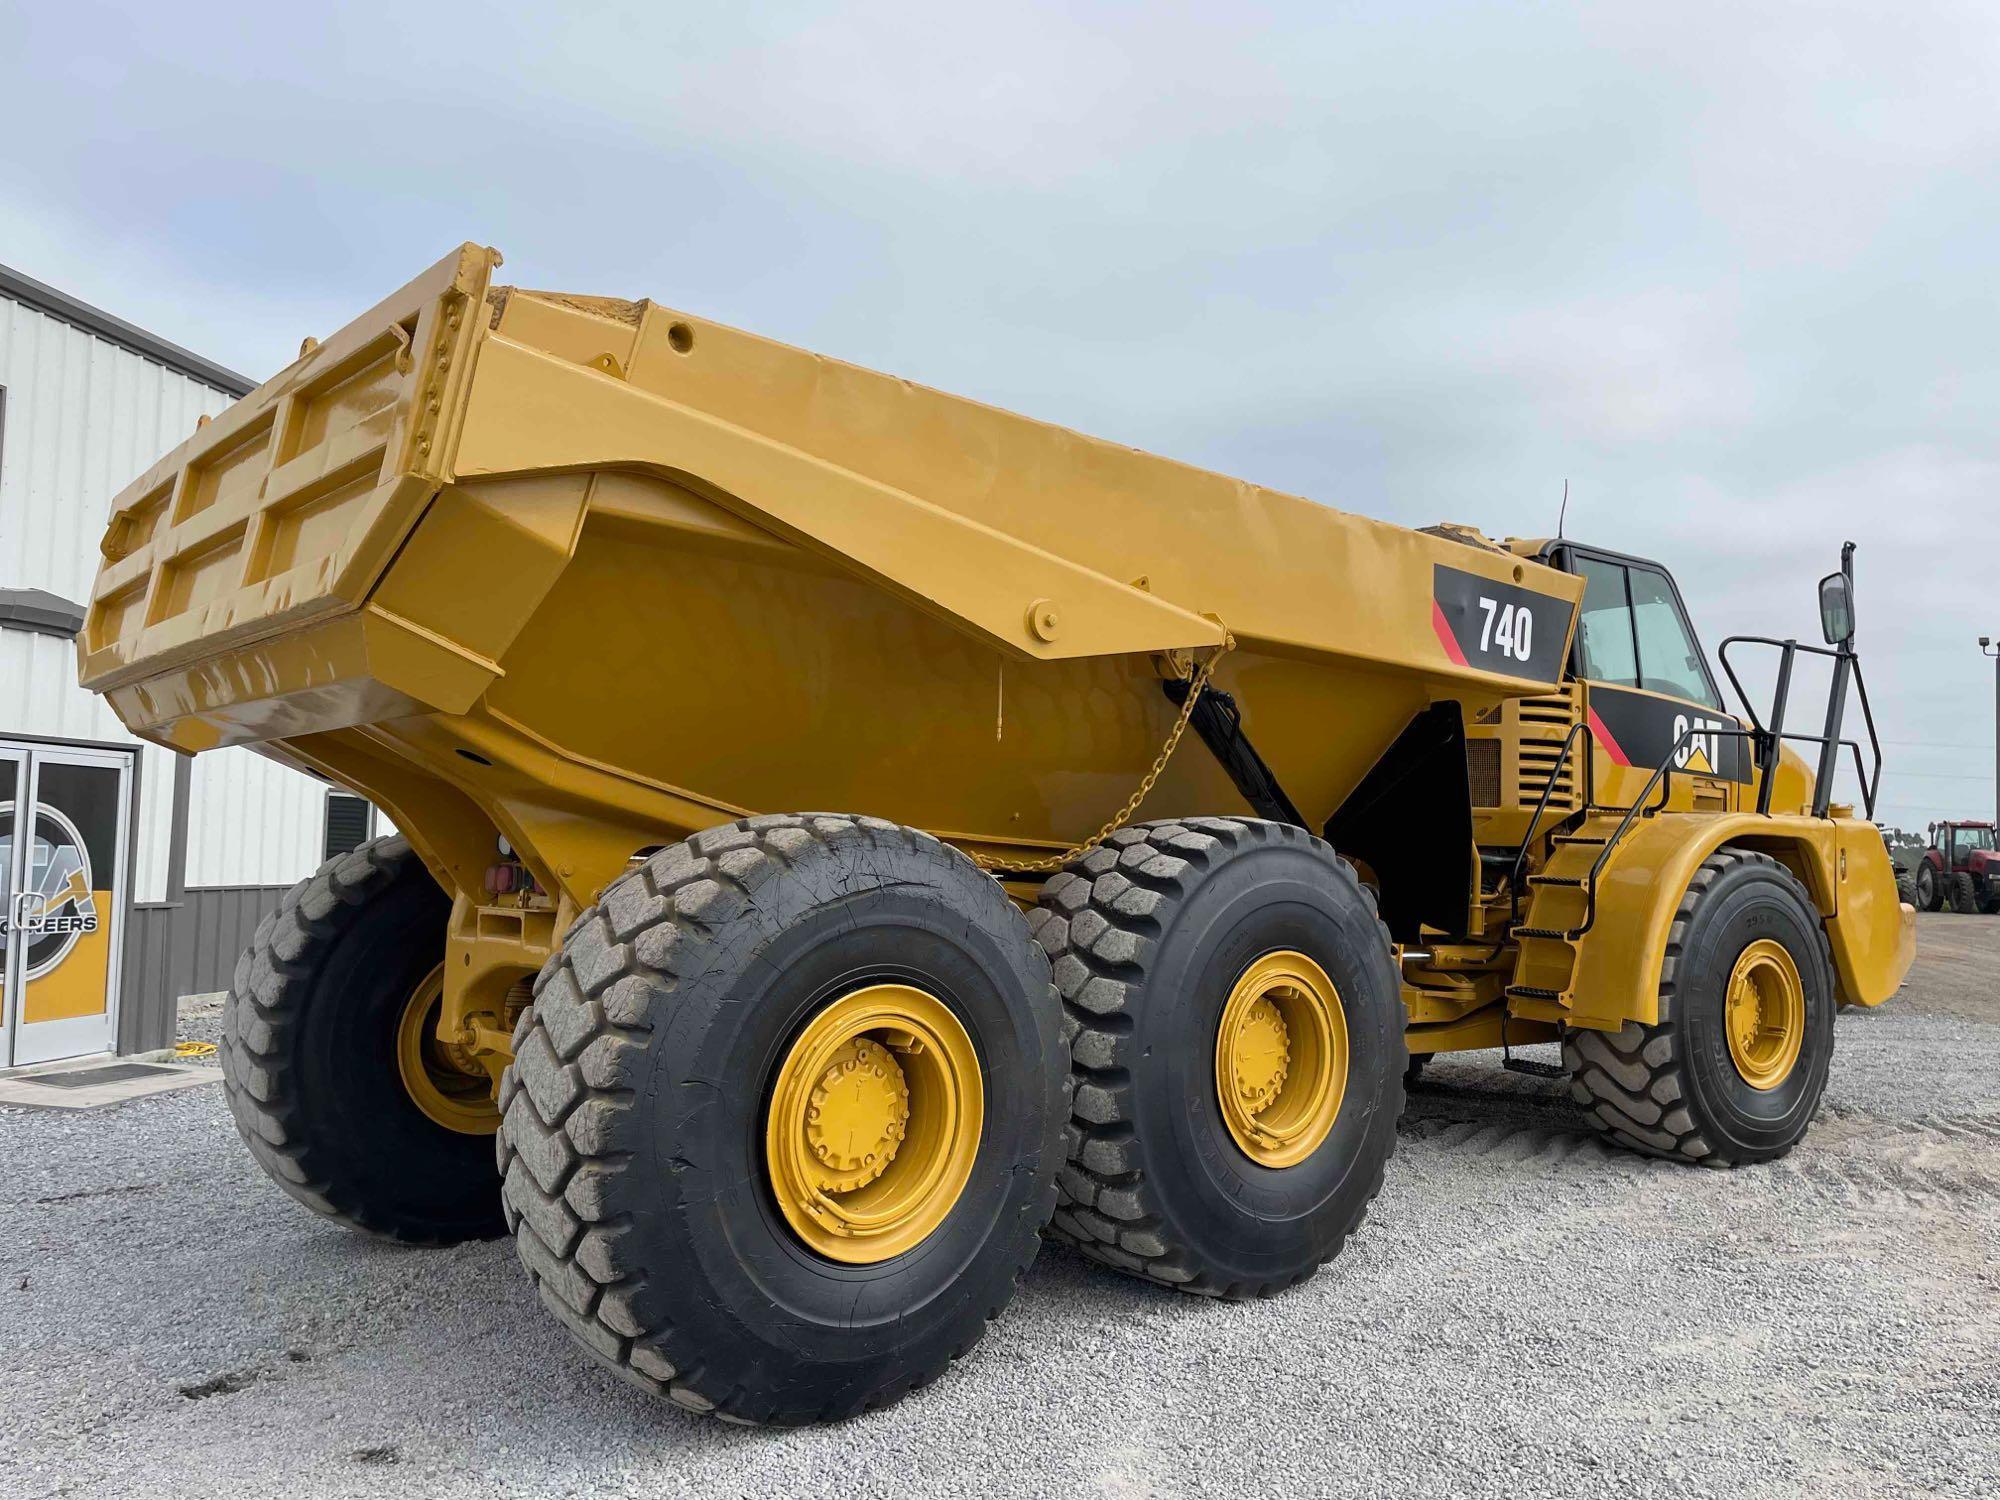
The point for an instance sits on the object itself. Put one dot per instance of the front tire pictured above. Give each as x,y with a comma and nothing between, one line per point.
672,1178
1735,1068
311,1064
1201,1154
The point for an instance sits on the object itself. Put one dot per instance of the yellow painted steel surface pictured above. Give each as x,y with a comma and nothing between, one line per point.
1764,1014
874,1123
591,574
1841,862
1281,1059
1610,973
442,1080
587,575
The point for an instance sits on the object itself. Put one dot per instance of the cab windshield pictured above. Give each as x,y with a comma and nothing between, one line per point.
1965,840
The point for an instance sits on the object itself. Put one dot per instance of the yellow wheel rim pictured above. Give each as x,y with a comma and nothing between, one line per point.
1281,1059
875,1120
1764,1014
442,1080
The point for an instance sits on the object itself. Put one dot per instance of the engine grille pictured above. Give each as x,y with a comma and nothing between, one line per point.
1536,758
1482,765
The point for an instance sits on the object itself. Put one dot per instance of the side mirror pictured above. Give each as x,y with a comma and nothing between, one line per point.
1836,609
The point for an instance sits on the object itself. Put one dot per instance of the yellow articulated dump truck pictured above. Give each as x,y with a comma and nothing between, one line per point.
600,601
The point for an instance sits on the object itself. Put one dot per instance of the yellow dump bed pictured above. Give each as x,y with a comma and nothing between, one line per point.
620,557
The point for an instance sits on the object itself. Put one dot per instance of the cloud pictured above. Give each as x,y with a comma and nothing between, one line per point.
1725,271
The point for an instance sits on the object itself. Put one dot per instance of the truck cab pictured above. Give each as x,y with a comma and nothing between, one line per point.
1635,748
1638,683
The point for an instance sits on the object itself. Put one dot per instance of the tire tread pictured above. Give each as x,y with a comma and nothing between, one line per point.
567,1137
262,1017
1098,920
1630,1081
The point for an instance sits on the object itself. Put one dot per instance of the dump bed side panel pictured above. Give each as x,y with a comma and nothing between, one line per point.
284,510
995,520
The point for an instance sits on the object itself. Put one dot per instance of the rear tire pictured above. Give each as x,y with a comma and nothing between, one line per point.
309,1055
636,1138
1150,936
1676,1089
1930,893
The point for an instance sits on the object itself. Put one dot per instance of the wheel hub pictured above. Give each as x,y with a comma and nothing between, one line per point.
1281,1059
875,1120
857,1115
1764,1014
1263,1056
443,1079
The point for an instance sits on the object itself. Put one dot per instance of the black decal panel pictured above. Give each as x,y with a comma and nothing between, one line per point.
1499,627
1638,729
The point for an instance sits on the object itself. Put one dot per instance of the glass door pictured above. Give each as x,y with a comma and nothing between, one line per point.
66,828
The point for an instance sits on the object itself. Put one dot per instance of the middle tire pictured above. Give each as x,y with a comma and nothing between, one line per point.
782,1126
1237,1047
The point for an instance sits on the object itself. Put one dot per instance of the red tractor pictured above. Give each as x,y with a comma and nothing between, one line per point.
1960,866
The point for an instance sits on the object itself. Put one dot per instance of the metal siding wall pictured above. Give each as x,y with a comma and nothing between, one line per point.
234,791
187,949
84,418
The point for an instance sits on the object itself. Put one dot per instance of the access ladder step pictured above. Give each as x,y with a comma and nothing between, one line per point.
1577,838
1542,932
1534,1069
1572,882
1531,992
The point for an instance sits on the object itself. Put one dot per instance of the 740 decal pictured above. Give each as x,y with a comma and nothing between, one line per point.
1498,627
1516,633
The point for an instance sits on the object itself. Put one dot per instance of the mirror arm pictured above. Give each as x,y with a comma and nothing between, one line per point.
1853,615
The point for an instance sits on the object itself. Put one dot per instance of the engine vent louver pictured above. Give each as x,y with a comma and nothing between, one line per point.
1536,757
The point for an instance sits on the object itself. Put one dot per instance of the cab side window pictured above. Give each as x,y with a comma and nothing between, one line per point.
1604,633
1632,633
1669,660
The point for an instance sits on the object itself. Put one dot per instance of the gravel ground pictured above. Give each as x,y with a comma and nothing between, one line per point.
1523,1311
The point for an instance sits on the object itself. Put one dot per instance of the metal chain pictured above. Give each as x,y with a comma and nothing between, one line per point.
1197,685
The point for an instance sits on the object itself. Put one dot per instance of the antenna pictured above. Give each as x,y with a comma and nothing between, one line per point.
1564,512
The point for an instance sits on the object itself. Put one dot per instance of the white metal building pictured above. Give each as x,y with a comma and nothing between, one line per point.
147,881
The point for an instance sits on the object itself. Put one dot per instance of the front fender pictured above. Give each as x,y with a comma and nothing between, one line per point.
1841,862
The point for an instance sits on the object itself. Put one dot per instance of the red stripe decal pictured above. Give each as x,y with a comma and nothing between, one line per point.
1445,638
1611,746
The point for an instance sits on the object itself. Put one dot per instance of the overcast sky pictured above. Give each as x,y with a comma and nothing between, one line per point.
1727,269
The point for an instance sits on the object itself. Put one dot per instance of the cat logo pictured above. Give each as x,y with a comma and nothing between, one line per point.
1700,751
56,906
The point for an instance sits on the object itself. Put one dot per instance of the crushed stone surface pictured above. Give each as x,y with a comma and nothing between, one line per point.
1523,1312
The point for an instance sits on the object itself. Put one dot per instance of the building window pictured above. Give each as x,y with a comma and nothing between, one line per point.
350,821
